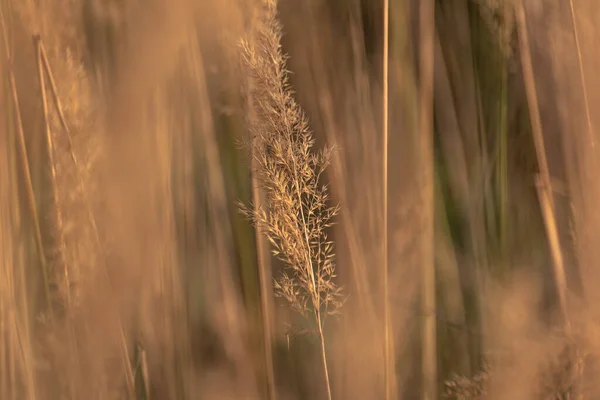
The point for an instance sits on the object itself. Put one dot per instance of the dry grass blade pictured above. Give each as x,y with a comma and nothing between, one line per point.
428,282
582,75
544,183
388,345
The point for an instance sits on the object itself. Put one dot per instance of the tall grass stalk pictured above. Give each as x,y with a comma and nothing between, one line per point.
388,355
428,287
545,189
544,184
588,118
297,216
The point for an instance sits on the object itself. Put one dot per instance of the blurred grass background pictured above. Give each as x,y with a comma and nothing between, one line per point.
127,271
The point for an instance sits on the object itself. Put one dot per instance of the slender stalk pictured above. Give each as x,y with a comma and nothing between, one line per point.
12,365
532,100
544,182
315,291
501,161
265,287
3,341
582,75
54,93
388,356
428,295
144,372
7,171
324,354
555,248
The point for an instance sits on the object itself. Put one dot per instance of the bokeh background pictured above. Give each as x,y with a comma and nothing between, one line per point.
466,236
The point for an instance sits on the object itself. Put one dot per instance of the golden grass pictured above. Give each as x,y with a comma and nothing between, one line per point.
126,273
